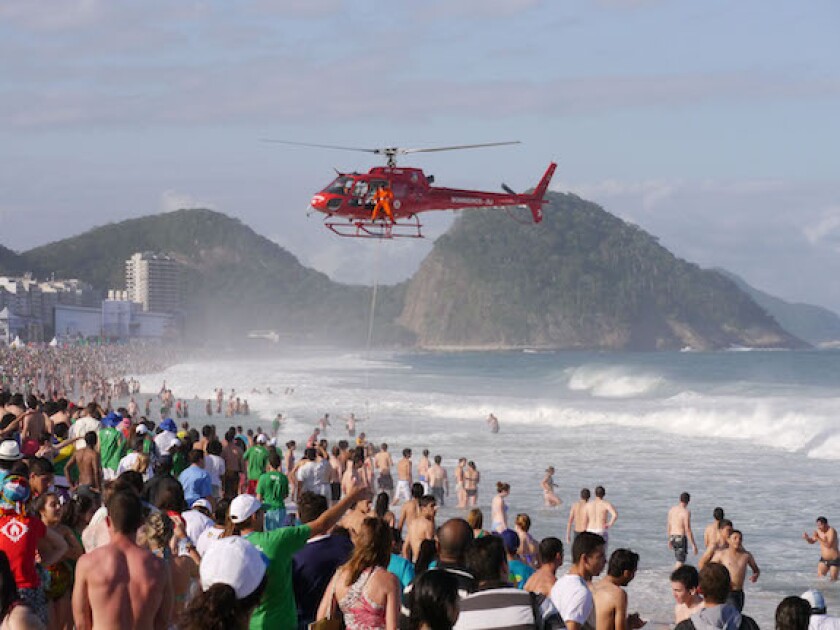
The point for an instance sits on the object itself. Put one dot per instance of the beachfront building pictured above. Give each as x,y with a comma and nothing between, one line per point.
153,280
116,319
27,304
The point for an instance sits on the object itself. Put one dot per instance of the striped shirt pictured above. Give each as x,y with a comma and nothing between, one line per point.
505,608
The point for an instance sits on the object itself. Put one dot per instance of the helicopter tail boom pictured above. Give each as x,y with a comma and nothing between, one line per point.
536,200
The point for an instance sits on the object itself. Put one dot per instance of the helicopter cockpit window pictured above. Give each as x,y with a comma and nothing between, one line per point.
340,185
360,189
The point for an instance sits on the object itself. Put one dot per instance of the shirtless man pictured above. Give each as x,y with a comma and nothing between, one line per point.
423,470
421,528
597,513
578,515
609,596
87,461
710,534
459,482
493,423
548,485
324,422
684,583
471,479
829,555
354,476
351,425
679,532
720,544
737,559
438,481
383,463
121,585
411,508
550,555
404,478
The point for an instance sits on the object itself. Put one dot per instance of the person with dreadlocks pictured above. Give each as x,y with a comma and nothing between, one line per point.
22,536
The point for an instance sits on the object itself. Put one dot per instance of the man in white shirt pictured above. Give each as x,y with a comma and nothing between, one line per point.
89,422
570,594
167,436
819,619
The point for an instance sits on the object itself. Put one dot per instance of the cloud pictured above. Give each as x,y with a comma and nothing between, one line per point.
171,201
826,228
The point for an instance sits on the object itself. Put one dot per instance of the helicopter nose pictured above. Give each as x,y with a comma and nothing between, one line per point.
319,202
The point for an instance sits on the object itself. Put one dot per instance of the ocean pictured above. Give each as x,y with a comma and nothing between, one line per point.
757,433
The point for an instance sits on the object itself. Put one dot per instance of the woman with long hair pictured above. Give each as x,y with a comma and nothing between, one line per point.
364,591
380,509
60,590
158,535
528,545
233,579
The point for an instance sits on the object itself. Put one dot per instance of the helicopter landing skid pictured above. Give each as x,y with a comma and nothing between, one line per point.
379,228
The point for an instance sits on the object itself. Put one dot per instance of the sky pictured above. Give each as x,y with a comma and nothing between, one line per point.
713,125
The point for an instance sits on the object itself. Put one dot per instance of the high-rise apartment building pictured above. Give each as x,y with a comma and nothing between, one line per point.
153,281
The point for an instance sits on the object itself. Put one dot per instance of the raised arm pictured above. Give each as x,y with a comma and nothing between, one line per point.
328,519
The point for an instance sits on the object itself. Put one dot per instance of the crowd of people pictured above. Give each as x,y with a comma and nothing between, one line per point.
109,518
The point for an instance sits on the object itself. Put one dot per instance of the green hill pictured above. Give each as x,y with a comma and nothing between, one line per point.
580,279
10,262
814,324
234,280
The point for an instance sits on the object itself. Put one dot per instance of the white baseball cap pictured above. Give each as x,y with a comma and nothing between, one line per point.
202,503
141,429
10,451
235,562
816,599
244,507
261,439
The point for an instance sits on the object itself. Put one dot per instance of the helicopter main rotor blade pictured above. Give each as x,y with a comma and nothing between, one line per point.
322,146
461,146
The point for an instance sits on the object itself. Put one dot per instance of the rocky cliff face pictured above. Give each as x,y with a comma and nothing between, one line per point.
581,279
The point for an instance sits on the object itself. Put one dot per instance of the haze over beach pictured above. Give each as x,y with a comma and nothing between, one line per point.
670,326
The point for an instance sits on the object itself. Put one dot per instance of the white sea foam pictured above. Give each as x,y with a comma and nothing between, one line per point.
612,382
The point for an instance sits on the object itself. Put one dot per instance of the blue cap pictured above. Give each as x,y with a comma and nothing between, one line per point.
511,540
168,425
111,420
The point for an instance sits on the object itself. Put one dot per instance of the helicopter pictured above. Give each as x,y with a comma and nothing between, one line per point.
386,201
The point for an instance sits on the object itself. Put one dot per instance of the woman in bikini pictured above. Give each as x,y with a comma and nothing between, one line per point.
367,595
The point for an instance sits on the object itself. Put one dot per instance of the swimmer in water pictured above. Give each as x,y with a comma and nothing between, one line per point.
493,423
548,485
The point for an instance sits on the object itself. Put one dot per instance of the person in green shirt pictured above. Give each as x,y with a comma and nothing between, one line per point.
277,609
256,459
112,448
272,490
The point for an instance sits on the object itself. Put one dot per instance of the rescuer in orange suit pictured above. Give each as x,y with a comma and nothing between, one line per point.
384,197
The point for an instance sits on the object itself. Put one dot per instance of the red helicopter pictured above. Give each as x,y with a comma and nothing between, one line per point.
385,202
